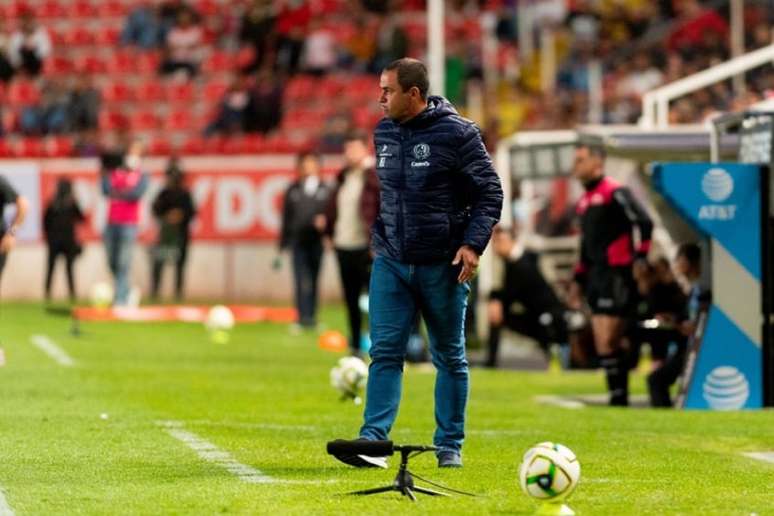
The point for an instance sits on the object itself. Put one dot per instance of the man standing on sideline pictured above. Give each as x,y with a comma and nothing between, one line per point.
303,222
8,232
349,216
123,186
440,198
174,209
615,233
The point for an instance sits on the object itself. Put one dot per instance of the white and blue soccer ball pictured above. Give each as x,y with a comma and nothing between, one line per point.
349,377
219,322
549,472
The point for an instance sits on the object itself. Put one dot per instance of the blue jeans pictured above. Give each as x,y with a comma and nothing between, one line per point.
397,291
119,243
306,270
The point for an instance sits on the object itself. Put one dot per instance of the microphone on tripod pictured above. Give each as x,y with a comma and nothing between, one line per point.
371,448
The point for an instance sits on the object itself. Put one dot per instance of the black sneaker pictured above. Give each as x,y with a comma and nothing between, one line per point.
449,459
363,461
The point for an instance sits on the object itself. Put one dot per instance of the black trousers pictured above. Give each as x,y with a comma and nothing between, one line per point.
660,380
55,252
157,266
353,268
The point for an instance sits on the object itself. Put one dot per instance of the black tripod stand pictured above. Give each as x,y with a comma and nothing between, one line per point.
404,480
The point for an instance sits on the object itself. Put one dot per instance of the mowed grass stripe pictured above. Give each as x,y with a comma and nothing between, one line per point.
50,348
211,453
764,456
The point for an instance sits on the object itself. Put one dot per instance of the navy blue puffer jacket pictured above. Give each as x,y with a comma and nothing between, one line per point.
438,187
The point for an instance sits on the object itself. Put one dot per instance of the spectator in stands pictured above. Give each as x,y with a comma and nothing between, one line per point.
183,50
258,30
61,217
303,222
84,103
50,114
688,265
8,196
392,43
124,185
695,22
292,27
360,49
320,49
335,132
642,78
143,27
268,103
174,210
616,232
350,213
525,302
237,108
6,68
30,45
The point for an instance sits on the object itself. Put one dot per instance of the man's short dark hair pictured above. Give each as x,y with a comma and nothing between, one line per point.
357,135
691,252
595,149
306,154
411,73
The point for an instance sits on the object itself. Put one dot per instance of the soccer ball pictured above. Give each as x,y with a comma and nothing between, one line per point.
349,377
219,321
549,471
101,294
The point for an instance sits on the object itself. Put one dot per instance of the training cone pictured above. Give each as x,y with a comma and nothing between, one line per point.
332,340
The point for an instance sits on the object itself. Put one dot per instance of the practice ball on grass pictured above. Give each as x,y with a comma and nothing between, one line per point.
332,340
101,294
349,377
219,318
549,471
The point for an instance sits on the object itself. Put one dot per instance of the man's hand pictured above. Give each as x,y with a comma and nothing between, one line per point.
469,259
320,222
495,312
575,296
174,216
7,243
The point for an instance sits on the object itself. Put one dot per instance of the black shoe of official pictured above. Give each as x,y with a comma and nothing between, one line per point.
363,461
449,459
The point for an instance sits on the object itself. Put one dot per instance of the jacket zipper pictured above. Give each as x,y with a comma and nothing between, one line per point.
401,230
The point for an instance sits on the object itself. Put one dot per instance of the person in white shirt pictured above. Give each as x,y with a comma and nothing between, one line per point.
29,46
183,46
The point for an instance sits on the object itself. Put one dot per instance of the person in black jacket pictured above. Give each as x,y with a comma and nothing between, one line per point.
303,222
525,303
174,209
440,199
59,221
8,196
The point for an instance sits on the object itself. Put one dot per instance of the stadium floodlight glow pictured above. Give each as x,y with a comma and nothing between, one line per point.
404,480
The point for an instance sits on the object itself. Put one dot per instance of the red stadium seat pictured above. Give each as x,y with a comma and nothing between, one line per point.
149,91
143,121
122,62
207,7
107,36
81,9
180,92
57,65
5,148
79,36
214,90
180,120
148,62
112,8
90,64
23,92
218,61
159,146
29,146
111,120
193,145
254,143
58,146
117,92
50,9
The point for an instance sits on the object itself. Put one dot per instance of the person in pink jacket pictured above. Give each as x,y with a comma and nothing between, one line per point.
124,186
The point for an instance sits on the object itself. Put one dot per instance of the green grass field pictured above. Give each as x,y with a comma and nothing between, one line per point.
264,399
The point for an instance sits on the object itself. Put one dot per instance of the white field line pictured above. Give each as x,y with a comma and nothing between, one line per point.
50,348
257,426
5,509
209,452
764,456
558,401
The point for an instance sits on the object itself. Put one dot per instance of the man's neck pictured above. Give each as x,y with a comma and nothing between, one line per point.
416,110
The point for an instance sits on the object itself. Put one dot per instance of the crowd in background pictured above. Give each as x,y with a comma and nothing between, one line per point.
290,70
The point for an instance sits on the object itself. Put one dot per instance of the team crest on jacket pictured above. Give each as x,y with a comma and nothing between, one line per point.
421,151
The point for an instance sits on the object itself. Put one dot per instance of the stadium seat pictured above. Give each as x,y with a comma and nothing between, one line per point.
50,9
180,92
193,145
117,92
80,9
180,120
217,62
143,121
5,148
254,143
29,146
57,65
107,36
122,62
111,120
113,8
159,146
148,62
90,64
78,36
58,146
149,91
23,92
214,90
